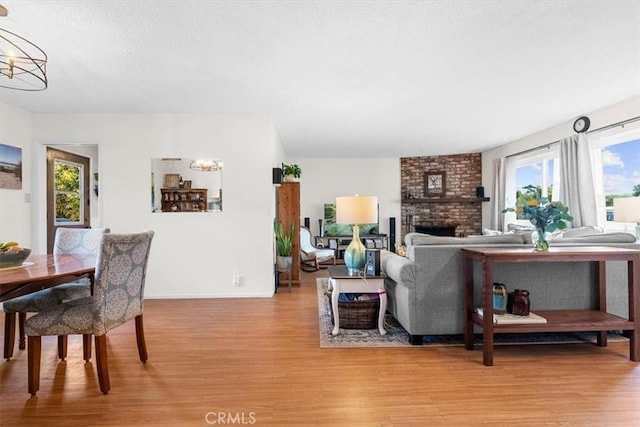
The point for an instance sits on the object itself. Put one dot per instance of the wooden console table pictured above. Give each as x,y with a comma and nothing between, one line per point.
557,320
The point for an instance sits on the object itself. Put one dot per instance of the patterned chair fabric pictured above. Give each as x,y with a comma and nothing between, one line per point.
67,241
118,296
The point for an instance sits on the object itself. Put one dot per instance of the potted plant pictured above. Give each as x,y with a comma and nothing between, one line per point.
291,172
284,244
546,217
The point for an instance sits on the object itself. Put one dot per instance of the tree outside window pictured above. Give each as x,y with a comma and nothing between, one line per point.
68,199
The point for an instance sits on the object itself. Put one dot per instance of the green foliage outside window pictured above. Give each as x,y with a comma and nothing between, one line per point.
67,188
531,195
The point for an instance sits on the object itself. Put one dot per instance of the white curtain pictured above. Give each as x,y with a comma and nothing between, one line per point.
577,180
499,193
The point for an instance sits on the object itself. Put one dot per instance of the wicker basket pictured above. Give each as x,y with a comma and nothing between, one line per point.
357,314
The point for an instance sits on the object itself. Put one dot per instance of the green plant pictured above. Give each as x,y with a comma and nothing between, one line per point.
284,241
545,216
291,170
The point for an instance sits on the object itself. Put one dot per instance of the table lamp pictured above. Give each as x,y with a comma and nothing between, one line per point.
356,210
627,209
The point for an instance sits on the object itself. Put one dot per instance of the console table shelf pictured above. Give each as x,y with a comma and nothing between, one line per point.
564,321
448,200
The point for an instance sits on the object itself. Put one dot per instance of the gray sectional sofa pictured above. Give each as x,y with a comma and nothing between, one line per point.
425,288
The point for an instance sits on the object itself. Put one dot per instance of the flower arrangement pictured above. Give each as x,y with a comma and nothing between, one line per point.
546,216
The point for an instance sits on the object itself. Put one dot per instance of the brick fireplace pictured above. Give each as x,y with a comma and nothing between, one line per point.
457,209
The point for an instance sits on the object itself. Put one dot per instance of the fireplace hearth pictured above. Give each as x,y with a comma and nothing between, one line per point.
436,229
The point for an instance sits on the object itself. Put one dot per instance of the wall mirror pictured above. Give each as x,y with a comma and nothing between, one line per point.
181,184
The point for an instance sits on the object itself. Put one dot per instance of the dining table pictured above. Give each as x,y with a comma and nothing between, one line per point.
41,272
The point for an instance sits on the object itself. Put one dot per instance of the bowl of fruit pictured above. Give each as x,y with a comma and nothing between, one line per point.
12,254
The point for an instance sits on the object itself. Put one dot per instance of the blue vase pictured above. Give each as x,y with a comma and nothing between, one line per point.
354,255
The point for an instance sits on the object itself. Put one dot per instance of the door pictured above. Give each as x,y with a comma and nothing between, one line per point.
67,192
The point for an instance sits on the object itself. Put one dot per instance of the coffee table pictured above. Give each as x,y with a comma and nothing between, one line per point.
343,282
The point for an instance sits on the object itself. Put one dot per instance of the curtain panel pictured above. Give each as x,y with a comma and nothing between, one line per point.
577,180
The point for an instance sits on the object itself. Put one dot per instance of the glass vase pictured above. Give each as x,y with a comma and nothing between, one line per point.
540,239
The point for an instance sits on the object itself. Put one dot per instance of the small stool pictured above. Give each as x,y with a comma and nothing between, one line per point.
283,270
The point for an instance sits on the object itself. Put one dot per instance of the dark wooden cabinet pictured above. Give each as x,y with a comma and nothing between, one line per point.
288,212
184,200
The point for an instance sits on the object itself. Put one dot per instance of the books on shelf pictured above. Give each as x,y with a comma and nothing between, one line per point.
512,319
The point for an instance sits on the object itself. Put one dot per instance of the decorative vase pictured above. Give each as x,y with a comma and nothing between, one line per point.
500,296
540,239
354,255
519,303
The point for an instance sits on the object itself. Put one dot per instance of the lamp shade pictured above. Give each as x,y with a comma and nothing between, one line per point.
356,209
626,209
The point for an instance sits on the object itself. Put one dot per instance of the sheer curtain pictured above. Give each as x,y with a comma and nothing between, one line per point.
578,175
499,192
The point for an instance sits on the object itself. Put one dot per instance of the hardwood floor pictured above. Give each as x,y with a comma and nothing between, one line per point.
258,362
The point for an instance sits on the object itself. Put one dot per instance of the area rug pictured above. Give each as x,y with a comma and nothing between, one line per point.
397,337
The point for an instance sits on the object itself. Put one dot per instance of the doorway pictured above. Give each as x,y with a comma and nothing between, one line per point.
68,192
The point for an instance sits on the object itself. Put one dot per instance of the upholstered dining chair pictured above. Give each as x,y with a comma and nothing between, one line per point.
67,241
310,256
118,297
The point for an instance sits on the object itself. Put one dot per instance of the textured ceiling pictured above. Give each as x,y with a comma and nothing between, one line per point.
340,78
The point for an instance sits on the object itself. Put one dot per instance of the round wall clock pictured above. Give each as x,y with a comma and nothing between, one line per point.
581,124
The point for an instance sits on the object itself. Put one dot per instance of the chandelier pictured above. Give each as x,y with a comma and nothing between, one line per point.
205,165
23,65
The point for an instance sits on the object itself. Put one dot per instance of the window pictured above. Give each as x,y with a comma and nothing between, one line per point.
616,159
68,192
532,176
620,154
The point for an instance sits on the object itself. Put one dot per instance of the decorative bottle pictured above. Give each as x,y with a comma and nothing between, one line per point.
499,298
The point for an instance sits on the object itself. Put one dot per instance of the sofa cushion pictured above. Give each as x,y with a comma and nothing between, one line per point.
417,239
617,237
582,231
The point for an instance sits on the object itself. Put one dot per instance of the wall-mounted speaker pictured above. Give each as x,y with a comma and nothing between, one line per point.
480,192
372,266
392,234
307,222
276,177
320,230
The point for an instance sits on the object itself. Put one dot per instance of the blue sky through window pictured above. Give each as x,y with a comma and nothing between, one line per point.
621,167
532,175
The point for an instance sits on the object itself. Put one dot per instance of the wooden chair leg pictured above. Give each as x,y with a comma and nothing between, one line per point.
33,361
9,334
142,346
62,347
22,341
86,347
102,364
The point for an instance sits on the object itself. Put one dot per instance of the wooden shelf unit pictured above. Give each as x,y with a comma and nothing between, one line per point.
289,212
184,199
448,200
340,243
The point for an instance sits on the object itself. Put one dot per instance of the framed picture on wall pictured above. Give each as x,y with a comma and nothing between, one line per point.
10,167
434,183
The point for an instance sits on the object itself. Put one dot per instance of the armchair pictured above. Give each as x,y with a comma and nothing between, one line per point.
310,256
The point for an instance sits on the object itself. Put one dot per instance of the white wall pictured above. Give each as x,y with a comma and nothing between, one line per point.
193,254
603,117
15,210
322,180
